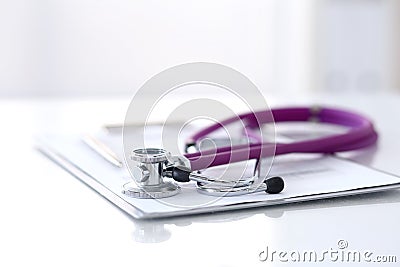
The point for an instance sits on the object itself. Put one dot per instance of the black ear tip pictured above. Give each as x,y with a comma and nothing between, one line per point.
189,145
275,185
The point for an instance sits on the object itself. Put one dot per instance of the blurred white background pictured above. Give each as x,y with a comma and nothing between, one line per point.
103,47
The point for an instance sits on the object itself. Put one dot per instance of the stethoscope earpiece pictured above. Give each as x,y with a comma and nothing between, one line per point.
275,185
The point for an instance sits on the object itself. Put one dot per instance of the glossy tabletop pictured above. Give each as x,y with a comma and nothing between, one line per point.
49,218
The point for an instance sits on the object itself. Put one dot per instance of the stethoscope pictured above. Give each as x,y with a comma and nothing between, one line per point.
156,166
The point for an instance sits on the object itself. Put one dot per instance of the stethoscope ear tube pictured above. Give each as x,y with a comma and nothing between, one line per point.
272,185
361,134
354,139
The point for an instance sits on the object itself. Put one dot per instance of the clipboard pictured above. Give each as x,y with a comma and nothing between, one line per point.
307,178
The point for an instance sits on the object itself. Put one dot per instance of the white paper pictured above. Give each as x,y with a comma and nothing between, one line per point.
304,175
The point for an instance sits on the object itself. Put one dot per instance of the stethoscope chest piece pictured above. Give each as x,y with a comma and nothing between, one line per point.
148,175
154,166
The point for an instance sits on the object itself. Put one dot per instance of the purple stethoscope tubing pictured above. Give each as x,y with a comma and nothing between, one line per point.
361,134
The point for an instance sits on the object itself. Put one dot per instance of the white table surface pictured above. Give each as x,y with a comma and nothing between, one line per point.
49,218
